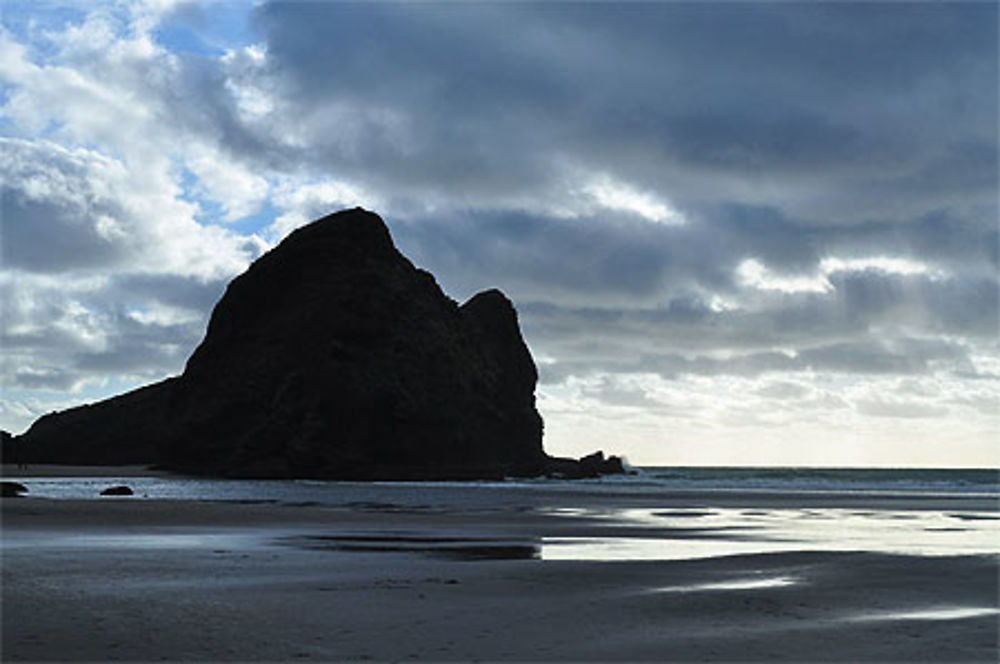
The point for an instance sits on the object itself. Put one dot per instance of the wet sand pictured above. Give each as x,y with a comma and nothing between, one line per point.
133,580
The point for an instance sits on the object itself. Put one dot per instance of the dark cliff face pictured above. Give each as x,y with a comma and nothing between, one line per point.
331,356
121,430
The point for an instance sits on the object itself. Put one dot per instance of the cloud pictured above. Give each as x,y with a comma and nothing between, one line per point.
68,209
107,274
303,202
811,112
902,409
67,334
718,220
613,195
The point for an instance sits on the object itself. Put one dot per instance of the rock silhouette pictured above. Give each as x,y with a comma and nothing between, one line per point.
10,489
8,447
332,356
120,490
590,466
122,430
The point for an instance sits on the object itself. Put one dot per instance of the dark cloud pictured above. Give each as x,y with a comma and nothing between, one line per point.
649,279
60,337
52,212
45,236
873,358
580,259
886,104
134,349
962,243
187,293
786,134
609,392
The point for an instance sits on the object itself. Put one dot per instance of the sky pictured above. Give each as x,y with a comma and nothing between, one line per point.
743,233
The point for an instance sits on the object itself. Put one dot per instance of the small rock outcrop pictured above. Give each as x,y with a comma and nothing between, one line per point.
332,356
120,490
10,489
590,466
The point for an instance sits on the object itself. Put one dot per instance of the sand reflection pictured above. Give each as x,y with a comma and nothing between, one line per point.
733,584
699,533
939,613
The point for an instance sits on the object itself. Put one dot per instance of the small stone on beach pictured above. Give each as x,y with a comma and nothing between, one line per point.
121,490
10,489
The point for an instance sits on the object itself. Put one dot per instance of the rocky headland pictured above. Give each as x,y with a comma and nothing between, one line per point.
332,356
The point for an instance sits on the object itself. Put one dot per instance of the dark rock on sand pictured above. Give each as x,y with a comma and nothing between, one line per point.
10,489
332,356
117,491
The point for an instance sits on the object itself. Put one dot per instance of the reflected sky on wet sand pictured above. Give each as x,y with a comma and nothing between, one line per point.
938,613
699,533
733,584
609,534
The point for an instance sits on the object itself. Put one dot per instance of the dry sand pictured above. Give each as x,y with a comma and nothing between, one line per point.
123,579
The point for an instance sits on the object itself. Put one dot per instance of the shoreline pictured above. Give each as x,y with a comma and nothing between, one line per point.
9,471
50,481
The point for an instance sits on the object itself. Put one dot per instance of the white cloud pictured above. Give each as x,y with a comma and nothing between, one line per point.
239,191
158,314
248,83
754,274
613,194
117,217
302,202
884,264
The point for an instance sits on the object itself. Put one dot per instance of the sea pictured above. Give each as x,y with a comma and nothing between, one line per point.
905,480
646,483
658,513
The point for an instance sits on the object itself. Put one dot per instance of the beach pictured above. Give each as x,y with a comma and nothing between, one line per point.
683,576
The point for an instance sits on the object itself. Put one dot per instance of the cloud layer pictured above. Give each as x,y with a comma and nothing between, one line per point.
734,232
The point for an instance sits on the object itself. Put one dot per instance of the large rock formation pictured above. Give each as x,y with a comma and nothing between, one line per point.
331,356
121,430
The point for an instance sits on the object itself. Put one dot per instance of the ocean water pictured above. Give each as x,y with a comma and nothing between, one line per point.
662,513
646,484
893,480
